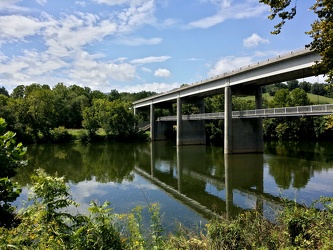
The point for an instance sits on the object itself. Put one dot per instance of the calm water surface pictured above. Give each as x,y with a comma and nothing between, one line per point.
191,183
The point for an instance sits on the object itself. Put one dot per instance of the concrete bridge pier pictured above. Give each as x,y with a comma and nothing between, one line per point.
190,132
242,135
158,129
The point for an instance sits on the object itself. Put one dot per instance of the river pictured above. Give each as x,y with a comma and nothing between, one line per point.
190,183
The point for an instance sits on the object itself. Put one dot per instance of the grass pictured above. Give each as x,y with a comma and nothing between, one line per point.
315,99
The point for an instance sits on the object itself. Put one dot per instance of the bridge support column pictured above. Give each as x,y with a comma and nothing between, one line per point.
242,135
179,139
152,122
190,132
158,129
260,136
228,147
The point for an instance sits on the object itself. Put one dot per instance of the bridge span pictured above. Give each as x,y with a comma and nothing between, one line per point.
241,135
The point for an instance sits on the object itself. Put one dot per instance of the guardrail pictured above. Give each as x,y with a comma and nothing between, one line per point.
312,110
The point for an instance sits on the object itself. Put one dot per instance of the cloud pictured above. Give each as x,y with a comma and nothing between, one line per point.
229,63
150,59
138,14
162,73
72,32
227,10
81,3
144,69
87,70
254,40
138,41
9,6
115,2
155,87
15,28
41,2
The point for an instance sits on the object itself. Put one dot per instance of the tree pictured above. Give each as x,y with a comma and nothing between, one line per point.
318,89
4,91
306,86
114,117
10,160
292,85
18,92
321,29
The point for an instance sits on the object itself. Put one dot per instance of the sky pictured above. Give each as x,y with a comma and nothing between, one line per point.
138,45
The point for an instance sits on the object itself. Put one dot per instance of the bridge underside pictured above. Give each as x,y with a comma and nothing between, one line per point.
240,135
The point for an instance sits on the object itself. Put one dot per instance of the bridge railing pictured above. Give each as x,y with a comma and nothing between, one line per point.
271,112
286,111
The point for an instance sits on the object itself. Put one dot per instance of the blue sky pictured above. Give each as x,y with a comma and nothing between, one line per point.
135,45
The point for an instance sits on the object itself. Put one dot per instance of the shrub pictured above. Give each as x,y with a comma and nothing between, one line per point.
59,135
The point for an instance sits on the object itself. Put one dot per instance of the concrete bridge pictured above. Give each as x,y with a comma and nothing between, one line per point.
240,135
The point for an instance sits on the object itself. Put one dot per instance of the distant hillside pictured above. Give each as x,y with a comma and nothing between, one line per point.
316,99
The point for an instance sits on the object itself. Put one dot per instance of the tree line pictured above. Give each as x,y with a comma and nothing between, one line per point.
39,113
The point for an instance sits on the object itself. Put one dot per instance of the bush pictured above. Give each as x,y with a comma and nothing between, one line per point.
59,135
11,155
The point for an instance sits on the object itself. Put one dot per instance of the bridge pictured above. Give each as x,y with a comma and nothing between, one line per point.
240,135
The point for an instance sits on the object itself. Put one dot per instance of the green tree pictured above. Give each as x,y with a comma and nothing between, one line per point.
298,97
321,29
10,161
306,86
281,99
318,89
42,111
4,91
292,128
18,92
294,84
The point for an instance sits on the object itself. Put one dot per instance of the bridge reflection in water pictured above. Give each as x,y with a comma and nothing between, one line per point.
225,187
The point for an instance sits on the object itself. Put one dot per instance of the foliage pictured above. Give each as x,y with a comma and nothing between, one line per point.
10,160
3,91
290,128
321,29
33,112
114,117
60,134
45,224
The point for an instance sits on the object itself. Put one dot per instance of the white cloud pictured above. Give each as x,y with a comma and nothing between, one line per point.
113,2
81,3
41,2
138,41
86,69
72,32
229,63
16,27
162,73
9,6
155,87
227,10
150,59
138,14
144,69
254,40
